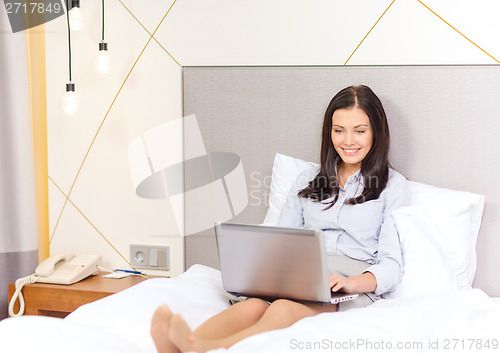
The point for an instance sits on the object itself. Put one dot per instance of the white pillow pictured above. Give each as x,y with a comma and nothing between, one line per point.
285,171
426,267
456,215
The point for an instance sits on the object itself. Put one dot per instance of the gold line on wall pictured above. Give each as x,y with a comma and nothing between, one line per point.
463,35
35,45
88,220
135,18
369,32
102,123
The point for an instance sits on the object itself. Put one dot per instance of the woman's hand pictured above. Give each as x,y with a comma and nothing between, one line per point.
364,283
346,284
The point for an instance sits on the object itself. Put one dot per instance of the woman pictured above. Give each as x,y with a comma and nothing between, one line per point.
350,197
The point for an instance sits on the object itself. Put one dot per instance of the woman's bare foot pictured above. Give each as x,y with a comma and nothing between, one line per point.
182,336
160,330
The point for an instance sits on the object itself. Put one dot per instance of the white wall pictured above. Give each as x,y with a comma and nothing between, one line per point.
143,88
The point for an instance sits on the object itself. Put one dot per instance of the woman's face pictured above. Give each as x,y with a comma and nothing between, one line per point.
352,135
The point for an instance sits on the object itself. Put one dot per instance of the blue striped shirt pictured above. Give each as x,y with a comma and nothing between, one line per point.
363,231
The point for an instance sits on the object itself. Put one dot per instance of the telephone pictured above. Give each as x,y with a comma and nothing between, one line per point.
65,268
61,268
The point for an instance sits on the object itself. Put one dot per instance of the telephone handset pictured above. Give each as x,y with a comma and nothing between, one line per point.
61,268
47,267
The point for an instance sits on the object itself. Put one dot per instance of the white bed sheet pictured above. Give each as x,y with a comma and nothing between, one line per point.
466,320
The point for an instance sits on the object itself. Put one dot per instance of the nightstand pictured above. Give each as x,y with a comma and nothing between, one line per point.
59,300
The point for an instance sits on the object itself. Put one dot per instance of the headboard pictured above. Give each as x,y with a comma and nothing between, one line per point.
444,122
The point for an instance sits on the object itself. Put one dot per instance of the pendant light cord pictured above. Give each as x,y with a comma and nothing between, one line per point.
102,21
69,38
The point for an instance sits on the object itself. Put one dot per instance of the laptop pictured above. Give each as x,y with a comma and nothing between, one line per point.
275,262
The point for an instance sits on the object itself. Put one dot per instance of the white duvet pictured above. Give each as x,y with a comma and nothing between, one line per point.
465,320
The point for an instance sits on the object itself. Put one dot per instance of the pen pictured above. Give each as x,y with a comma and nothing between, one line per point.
129,271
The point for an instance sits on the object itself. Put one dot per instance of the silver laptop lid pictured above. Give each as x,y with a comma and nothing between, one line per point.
273,262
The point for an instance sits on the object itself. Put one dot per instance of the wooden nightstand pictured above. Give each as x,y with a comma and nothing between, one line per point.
59,300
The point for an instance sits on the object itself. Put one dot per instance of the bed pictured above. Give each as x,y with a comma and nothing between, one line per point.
466,320
444,122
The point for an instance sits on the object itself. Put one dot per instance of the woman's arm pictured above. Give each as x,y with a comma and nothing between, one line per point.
388,268
292,213
364,283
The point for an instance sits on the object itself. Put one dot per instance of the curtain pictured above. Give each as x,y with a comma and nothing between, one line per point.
18,218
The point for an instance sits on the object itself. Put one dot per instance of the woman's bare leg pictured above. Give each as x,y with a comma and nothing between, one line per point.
280,314
232,320
160,330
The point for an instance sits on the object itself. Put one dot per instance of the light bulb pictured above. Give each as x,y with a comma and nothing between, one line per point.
102,60
76,18
69,100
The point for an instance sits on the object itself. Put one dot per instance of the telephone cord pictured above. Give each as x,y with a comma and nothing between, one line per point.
18,294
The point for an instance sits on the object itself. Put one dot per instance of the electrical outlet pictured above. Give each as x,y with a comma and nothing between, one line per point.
150,256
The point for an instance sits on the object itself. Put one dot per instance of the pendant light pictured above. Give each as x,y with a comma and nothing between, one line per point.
75,15
102,60
69,100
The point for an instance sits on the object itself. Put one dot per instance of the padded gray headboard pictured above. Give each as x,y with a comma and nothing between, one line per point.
444,121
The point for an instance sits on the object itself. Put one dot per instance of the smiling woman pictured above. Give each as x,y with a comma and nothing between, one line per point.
352,138
353,181
355,136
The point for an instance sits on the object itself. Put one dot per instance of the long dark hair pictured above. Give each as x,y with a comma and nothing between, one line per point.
375,165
